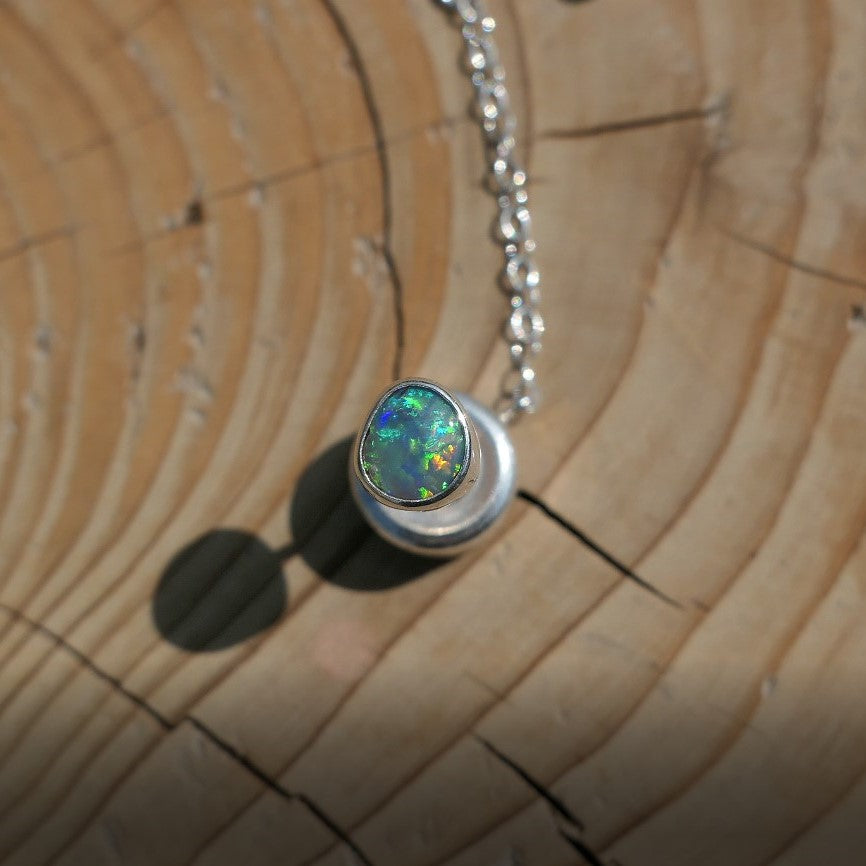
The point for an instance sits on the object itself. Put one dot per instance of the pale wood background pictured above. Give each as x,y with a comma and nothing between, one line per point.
211,214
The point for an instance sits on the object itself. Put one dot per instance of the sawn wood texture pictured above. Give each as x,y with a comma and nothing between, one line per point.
224,228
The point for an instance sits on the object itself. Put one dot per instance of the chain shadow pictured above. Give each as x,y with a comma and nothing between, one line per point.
228,585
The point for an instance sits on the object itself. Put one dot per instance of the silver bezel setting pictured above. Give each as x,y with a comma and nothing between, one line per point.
458,487
463,523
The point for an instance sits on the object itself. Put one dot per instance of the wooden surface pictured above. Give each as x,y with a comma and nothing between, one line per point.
223,228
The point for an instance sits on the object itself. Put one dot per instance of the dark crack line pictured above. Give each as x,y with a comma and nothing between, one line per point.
191,215
225,747
552,800
334,828
596,548
399,313
240,758
387,185
29,243
636,123
264,182
796,264
583,849
85,662
275,786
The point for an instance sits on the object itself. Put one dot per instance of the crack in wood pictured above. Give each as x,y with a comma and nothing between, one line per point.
596,548
794,264
583,849
719,107
558,806
548,796
225,747
85,662
387,186
28,243
275,786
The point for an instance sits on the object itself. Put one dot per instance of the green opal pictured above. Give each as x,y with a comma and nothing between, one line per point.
414,447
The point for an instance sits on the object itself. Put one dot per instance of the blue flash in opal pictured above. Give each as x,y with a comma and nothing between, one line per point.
414,447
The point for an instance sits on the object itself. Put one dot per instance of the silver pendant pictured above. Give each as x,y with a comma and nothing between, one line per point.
432,471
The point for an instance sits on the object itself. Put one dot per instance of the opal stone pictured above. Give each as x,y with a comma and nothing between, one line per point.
414,447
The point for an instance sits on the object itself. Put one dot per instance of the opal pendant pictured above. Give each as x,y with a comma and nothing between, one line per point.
432,471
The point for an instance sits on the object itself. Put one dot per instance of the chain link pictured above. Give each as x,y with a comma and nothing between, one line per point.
520,279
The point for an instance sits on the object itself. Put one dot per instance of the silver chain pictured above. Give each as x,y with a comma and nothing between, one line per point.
520,279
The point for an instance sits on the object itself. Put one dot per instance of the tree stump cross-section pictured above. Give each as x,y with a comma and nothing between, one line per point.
224,229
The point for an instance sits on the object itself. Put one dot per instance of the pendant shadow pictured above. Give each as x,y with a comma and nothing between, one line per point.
219,590
228,585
